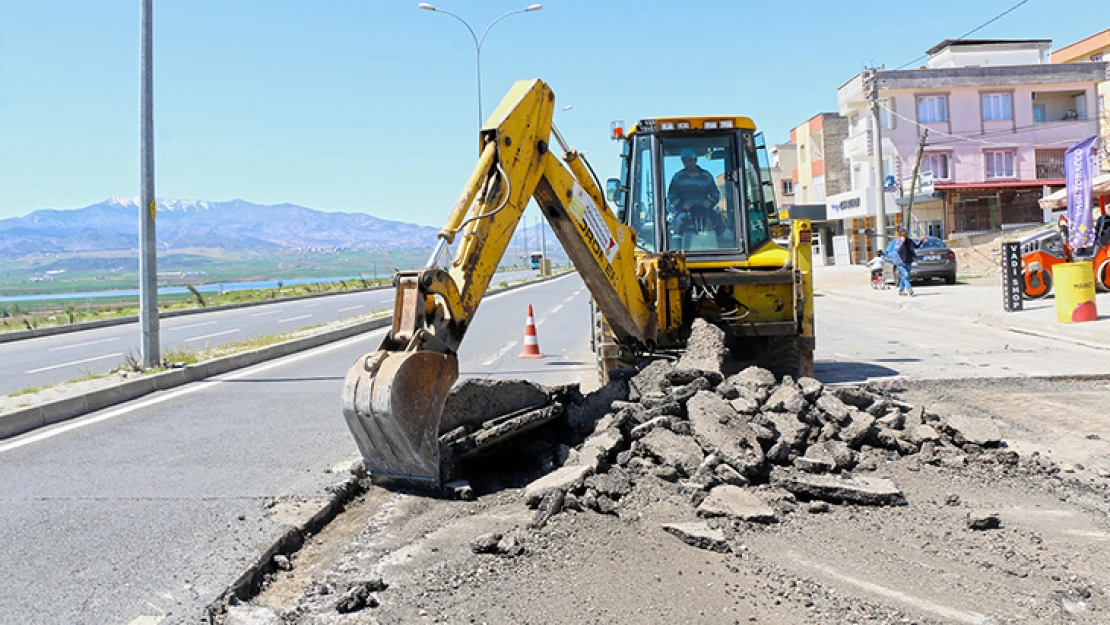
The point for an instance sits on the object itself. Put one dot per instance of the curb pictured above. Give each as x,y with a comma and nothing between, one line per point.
22,421
250,581
20,335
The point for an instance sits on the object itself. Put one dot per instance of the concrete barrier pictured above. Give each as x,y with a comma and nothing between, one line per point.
26,419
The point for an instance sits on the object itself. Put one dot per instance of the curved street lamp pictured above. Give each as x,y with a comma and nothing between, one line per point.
478,41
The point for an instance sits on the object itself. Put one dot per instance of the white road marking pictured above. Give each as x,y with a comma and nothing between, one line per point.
192,325
944,611
75,362
501,352
148,620
349,308
199,385
208,336
268,312
55,349
294,318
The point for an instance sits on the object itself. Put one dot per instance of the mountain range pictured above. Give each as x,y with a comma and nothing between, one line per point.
236,225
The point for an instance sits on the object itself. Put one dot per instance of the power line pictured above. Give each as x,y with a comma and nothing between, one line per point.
972,31
975,139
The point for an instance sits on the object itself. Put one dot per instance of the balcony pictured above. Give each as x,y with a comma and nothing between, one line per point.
1059,106
858,147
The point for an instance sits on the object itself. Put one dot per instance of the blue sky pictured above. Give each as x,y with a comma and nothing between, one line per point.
370,106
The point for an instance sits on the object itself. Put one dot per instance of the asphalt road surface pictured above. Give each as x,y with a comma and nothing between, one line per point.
144,513
53,359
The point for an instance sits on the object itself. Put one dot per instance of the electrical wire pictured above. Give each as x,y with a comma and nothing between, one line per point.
505,202
971,32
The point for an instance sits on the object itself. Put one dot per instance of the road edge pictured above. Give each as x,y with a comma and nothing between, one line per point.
25,420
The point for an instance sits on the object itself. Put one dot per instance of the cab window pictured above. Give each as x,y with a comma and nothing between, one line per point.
757,208
642,191
701,204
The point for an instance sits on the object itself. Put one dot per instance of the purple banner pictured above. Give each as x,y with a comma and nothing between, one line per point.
1079,167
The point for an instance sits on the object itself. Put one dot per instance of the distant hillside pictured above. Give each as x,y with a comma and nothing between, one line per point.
237,225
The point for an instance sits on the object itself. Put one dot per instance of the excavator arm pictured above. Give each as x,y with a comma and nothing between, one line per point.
393,397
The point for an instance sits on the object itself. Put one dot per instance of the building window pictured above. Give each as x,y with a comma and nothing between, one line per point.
788,187
1050,164
1000,163
1081,106
932,108
1102,106
885,107
1038,114
819,189
937,164
996,107
1095,58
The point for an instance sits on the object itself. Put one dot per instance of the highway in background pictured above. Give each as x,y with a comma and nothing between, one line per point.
145,512
52,359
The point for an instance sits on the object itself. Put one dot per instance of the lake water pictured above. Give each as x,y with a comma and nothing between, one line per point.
207,288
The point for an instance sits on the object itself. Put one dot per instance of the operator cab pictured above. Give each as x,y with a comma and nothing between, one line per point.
700,185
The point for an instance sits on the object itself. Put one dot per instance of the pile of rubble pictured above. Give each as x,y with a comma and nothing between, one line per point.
739,445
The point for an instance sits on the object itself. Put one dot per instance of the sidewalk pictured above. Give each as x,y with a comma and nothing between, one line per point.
979,300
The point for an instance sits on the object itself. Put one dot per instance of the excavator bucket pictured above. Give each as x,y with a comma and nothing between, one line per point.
392,402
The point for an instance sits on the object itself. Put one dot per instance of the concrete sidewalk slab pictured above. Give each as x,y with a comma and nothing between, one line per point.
977,300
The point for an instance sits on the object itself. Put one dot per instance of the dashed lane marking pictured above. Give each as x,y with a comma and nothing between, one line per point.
192,325
349,308
297,318
268,312
501,352
214,334
75,362
96,342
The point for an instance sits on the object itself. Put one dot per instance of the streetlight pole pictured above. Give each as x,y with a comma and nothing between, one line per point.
478,41
148,250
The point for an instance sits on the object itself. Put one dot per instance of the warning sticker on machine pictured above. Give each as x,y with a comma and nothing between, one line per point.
582,207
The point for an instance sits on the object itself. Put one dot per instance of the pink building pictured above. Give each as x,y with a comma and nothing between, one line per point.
999,119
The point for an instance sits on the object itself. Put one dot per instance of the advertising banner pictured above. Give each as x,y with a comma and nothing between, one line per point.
1011,277
1080,166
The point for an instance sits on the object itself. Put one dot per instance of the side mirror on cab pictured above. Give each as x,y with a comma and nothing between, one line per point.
613,189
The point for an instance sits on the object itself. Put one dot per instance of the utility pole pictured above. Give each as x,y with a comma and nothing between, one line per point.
543,246
907,221
877,158
148,247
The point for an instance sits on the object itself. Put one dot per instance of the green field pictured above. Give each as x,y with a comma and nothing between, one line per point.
110,271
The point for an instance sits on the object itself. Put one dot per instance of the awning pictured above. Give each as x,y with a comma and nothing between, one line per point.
997,184
1100,186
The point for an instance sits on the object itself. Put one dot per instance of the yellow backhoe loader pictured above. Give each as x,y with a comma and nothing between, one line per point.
689,239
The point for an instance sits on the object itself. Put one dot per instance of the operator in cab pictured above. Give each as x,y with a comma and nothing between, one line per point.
692,196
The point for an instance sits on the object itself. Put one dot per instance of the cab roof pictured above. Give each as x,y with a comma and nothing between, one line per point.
655,124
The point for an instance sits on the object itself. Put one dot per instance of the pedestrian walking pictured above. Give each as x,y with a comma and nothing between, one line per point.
905,253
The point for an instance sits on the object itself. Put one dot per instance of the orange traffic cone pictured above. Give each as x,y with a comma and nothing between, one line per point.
531,342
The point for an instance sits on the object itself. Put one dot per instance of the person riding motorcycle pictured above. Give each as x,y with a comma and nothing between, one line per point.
692,196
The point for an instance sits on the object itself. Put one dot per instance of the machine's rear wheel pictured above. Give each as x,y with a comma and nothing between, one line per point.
1036,284
783,355
1102,275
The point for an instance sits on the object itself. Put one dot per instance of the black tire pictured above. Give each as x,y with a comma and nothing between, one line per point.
781,355
950,279
1042,278
1102,275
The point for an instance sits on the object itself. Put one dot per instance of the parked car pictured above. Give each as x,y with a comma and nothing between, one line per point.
934,260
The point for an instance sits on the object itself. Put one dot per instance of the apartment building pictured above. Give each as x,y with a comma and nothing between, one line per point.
821,171
999,118
1093,49
784,160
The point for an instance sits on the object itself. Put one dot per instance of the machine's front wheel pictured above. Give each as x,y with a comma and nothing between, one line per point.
608,353
1036,284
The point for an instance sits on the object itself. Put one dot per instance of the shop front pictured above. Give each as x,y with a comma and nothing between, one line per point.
987,207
